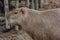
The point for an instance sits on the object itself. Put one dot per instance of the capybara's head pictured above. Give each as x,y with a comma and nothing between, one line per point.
17,16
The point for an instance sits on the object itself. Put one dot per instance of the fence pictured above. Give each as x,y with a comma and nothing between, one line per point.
33,4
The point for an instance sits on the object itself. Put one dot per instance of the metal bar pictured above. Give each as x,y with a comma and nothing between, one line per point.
6,12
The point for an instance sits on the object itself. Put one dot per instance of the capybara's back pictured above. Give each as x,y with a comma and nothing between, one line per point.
40,25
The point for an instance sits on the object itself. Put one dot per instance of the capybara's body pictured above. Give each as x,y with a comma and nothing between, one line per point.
40,25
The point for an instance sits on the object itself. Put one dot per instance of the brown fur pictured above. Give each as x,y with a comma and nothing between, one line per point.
40,25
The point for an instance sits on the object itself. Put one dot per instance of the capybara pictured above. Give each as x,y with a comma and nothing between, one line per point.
40,25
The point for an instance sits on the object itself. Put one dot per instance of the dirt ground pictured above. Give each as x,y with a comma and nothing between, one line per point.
12,35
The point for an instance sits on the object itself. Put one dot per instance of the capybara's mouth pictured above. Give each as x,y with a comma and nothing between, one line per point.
20,27
12,28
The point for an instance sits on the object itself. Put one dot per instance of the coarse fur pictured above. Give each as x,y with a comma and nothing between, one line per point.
40,25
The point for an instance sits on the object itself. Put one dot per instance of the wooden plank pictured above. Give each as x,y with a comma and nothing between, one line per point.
36,3
32,4
17,3
28,3
6,12
41,3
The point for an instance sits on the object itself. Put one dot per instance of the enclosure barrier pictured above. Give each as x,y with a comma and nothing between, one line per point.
33,4
6,6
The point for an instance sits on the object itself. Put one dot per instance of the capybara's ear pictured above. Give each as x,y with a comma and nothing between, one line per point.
22,11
